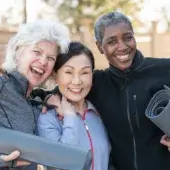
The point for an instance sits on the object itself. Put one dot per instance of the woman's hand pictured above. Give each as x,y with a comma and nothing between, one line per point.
13,156
53,100
165,140
65,107
62,106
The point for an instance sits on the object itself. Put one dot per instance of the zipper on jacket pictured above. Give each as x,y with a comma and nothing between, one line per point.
131,129
90,139
136,112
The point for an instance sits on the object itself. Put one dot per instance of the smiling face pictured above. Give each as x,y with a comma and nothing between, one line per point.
118,45
36,62
74,78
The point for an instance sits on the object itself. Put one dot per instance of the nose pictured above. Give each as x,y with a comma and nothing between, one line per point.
122,45
43,60
76,80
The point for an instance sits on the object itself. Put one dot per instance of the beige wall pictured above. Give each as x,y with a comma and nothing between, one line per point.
4,37
162,45
159,48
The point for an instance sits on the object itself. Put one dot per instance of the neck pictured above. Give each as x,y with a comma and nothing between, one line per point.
29,90
79,106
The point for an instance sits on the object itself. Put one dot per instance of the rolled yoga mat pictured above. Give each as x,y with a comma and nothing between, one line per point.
158,110
44,151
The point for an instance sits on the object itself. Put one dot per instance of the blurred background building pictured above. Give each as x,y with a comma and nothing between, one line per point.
151,20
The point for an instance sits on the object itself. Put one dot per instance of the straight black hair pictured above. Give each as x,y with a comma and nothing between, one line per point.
75,48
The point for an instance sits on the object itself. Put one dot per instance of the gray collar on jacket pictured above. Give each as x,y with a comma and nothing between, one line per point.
22,82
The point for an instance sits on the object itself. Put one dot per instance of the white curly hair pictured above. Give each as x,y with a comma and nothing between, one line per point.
32,33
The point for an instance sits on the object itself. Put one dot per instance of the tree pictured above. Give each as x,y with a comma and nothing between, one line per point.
24,11
75,12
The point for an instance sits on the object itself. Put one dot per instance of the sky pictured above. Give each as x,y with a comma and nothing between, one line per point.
151,11
151,8
33,7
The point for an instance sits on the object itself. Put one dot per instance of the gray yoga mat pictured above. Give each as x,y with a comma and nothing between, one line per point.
43,151
158,110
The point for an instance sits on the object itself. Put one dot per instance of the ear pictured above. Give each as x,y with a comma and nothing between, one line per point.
99,46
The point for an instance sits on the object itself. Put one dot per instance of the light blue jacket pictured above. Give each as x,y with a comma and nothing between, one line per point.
73,130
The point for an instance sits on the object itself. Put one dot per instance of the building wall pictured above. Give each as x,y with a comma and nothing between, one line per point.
159,48
4,37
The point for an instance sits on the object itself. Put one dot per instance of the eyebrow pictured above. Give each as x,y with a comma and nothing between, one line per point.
81,68
37,47
43,50
128,33
112,37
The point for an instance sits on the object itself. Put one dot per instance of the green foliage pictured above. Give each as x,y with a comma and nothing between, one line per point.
73,12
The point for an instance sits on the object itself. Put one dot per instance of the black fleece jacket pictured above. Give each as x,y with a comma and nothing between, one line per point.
121,98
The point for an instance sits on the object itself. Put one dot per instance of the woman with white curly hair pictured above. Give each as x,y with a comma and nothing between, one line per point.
30,58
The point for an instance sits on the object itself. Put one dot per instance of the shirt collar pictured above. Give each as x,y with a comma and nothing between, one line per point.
90,107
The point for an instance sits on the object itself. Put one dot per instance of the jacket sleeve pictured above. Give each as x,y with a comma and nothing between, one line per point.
42,93
65,131
4,121
91,95
5,164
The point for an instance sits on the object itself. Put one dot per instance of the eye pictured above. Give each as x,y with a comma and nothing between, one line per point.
84,73
51,59
68,72
112,42
128,38
37,52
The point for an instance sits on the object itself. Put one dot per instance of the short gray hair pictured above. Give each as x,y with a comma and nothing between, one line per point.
32,33
106,20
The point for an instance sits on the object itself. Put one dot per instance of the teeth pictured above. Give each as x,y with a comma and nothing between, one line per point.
38,70
123,57
75,90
